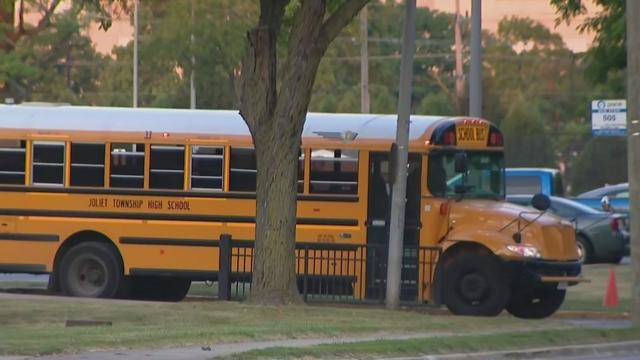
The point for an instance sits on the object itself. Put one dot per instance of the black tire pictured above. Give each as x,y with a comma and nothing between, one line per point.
475,285
536,302
585,250
90,269
53,285
615,259
159,288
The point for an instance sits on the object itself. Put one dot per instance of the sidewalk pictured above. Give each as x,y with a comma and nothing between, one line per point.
597,351
211,351
629,349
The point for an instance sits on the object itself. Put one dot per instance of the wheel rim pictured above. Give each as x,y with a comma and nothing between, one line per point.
474,288
581,251
88,276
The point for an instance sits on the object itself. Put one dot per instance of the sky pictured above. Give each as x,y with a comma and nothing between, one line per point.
492,12
541,10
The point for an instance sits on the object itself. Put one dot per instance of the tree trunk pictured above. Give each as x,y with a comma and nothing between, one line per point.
274,277
274,107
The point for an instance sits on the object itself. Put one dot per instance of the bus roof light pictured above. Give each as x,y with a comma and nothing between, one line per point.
495,139
449,138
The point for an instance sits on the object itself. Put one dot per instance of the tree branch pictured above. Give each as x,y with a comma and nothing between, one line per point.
340,18
21,17
301,64
271,12
46,18
42,24
434,73
567,9
259,67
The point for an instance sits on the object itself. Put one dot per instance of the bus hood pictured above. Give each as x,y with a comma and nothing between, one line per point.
494,224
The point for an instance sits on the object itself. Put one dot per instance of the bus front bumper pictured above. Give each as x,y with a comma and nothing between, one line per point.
563,273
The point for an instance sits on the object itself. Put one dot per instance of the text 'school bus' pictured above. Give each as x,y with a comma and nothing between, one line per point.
107,197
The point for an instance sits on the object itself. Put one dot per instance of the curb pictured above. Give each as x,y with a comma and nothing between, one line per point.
590,315
603,349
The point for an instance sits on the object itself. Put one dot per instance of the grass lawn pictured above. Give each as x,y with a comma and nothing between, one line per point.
444,344
36,325
589,296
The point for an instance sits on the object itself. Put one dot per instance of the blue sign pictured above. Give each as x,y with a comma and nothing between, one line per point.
609,117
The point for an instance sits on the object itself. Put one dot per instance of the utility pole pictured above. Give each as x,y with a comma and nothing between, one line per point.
193,59
475,76
135,53
459,71
633,150
398,197
365,106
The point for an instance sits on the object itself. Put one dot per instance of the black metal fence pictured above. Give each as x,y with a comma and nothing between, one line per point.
332,272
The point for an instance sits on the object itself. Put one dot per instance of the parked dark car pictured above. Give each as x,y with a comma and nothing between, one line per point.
601,236
618,196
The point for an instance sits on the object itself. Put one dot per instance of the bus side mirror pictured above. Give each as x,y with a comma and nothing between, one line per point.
541,202
460,162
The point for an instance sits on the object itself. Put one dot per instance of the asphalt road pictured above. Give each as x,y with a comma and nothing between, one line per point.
23,277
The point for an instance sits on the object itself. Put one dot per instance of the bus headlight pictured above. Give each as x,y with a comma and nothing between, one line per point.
524,250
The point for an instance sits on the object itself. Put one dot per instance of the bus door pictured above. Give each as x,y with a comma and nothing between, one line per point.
379,211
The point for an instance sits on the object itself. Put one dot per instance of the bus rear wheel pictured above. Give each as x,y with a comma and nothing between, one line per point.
475,285
90,269
536,302
159,288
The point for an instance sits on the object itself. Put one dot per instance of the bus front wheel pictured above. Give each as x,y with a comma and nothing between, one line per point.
92,270
536,302
475,284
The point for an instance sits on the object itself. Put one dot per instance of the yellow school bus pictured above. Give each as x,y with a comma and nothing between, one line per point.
114,201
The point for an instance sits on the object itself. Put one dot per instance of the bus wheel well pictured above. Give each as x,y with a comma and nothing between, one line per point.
73,240
462,247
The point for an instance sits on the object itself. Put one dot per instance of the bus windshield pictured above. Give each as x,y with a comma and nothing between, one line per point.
484,177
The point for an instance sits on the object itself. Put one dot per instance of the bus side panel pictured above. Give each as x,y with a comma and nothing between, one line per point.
152,245
28,256
155,242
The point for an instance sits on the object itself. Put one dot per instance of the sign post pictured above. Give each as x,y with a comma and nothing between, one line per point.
609,117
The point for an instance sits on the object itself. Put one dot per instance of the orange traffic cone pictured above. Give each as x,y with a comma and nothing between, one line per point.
611,296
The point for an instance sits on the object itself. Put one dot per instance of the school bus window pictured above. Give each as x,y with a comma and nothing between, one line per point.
334,172
207,167
48,163
242,169
87,164
484,177
12,162
127,165
167,167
